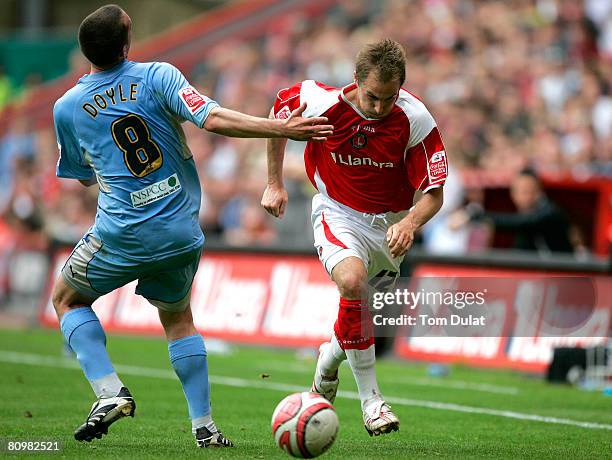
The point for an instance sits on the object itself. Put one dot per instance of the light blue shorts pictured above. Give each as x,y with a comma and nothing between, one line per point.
93,271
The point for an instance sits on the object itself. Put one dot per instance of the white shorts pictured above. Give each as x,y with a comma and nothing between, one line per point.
341,232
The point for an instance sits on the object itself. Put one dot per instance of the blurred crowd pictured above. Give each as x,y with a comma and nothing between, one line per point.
511,84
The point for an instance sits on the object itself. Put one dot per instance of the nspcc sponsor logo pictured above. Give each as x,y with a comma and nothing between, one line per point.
155,191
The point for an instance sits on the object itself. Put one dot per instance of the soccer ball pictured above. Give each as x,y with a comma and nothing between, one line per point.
304,425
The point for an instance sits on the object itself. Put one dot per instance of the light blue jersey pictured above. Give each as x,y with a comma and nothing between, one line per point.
123,126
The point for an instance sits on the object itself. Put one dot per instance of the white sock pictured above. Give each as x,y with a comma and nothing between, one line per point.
107,386
331,357
362,365
206,421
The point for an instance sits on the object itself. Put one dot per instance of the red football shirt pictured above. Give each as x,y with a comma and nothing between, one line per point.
370,165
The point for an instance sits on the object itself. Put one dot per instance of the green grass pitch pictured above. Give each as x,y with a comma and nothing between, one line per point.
470,413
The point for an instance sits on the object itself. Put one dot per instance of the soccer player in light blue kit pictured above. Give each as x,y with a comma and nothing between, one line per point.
120,127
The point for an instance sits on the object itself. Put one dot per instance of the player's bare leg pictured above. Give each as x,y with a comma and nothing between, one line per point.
353,330
84,334
188,356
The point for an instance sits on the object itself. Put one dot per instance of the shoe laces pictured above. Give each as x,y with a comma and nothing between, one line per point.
374,407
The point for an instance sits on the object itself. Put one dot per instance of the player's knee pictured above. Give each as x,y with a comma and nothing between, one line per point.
350,284
177,324
60,300
65,298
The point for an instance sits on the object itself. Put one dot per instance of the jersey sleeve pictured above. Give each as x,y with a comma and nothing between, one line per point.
179,97
425,159
71,163
287,100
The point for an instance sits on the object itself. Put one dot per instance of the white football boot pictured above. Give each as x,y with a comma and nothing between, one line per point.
326,386
378,418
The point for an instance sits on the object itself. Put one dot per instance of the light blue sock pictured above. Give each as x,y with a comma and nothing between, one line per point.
188,357
83,332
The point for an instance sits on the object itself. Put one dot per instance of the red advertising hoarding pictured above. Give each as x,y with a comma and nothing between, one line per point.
260,299
290,301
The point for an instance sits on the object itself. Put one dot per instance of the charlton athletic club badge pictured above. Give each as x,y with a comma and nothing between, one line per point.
359,140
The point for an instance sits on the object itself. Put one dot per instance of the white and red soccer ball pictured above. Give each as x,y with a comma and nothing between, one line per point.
304,425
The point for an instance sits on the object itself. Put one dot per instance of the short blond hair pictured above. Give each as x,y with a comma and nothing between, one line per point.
386,58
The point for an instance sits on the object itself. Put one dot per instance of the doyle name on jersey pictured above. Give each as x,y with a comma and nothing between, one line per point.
123,126
370,165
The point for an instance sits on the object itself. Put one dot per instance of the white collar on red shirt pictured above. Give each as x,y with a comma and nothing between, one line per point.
346,89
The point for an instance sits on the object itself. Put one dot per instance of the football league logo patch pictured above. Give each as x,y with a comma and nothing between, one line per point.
283,113
438,156
192,99
437,166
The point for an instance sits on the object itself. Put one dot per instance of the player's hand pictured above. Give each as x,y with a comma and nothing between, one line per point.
274,200
400,237
299,128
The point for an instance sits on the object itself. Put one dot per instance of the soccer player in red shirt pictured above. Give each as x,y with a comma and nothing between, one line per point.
384,148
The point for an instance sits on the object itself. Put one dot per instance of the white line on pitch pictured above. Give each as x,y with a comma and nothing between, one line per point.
52,361
459,385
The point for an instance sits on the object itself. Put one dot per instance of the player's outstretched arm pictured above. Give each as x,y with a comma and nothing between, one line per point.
236,124
400,236
274,199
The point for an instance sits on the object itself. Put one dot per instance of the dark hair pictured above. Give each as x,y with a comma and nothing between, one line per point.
386,57
529,171
103,35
